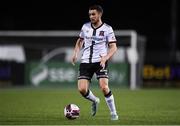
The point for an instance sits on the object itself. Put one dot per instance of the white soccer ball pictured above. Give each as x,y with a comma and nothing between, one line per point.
71,111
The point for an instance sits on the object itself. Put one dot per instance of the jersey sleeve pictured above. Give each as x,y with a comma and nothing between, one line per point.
111,38
81,34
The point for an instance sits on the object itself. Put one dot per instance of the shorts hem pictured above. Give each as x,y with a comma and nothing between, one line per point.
84,77
102,77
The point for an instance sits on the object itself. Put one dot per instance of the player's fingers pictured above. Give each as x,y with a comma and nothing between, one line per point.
102,65
73,61
73,64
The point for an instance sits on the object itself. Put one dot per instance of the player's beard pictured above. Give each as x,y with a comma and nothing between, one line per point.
94,21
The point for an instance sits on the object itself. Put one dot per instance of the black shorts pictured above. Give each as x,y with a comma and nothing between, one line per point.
87,70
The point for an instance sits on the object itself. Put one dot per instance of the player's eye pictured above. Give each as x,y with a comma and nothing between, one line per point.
92,14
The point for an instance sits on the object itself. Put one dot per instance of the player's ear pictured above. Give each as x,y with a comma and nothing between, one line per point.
100,14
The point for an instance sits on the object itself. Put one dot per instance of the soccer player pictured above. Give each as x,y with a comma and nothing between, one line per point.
99,44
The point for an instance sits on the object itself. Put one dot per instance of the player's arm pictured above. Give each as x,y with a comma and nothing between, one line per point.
76,51
112,50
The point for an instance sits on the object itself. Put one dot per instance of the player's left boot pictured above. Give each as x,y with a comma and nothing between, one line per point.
95,106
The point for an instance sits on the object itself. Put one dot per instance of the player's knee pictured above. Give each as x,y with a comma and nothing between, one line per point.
104,89
83,86
83,91
104,86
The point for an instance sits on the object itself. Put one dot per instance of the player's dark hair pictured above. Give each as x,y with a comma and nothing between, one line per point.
96,7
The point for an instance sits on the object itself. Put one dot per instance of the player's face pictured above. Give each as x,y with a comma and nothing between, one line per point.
94,16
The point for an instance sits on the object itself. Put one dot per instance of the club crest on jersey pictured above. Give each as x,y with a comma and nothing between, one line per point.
101,33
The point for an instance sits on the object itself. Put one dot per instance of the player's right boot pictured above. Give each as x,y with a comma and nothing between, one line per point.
95,106
114,117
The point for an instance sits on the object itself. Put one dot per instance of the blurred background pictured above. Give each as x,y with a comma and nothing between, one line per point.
36,42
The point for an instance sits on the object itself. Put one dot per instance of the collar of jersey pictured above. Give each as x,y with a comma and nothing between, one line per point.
98,26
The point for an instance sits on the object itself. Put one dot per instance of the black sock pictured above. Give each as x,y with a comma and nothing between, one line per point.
108,94
85,95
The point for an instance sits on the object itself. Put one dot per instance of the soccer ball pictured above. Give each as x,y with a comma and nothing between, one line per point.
71,111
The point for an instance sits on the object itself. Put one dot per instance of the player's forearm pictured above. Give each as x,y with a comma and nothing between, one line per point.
77,46
112,50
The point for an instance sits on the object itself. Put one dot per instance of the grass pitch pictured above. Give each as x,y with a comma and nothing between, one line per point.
37,106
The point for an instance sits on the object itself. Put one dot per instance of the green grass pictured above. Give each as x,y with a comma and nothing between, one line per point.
46,106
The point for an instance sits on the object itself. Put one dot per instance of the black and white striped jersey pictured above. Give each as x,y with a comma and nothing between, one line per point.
96,41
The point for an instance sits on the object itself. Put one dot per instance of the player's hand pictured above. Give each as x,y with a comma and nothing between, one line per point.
74,59
103,61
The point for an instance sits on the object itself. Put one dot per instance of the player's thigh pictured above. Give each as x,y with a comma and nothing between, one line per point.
83,84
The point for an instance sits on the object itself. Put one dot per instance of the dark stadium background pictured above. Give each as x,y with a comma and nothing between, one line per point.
151,18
